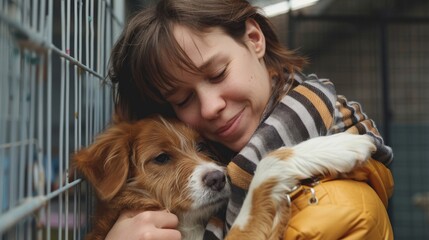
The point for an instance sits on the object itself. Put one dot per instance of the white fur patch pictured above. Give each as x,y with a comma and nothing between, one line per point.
205,201
200,194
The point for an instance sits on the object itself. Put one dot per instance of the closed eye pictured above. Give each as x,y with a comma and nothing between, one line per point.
186,100
219,76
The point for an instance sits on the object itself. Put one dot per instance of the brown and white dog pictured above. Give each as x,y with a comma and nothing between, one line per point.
156,164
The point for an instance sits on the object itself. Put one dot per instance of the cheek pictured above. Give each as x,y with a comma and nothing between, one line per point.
190,117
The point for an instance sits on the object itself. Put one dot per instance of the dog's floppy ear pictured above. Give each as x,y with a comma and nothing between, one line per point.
105,163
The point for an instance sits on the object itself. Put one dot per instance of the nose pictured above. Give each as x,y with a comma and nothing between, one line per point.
211,104
215,180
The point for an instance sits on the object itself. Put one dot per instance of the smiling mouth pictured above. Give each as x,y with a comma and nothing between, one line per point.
229,124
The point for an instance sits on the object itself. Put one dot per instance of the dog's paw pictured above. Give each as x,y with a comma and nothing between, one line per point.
327,155
278,168
338,153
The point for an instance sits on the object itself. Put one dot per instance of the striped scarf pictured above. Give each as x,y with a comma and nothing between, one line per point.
309,110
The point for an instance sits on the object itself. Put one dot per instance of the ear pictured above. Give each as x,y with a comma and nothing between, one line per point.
105,163
254,37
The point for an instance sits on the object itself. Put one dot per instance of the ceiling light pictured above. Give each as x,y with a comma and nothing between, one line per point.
285,6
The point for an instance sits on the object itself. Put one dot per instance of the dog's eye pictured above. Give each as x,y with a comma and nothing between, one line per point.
162,158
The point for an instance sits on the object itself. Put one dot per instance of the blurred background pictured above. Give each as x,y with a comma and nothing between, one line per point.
376,53
54,96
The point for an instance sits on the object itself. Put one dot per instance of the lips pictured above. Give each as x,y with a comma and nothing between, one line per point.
229,126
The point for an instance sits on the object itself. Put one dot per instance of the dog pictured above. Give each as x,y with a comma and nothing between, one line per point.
153,164
161,164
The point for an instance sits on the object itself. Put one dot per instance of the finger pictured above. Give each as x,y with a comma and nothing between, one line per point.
160,219
128,214
171,234
168,220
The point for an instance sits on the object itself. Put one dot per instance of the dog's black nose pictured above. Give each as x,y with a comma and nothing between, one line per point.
214,180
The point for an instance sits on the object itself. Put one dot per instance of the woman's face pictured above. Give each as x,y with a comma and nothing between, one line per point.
226,103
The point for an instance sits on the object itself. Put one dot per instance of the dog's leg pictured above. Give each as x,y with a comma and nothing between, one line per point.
265,211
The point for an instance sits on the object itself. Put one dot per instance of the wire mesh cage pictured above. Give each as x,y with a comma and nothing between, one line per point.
54,98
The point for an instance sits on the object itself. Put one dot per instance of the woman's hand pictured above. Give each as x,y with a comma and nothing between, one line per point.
148,225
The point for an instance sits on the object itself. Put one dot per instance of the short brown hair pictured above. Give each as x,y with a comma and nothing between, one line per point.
146,48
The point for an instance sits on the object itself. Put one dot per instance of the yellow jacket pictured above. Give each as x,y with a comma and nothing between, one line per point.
356,206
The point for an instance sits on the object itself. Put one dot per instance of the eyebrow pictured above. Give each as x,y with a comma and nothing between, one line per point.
209,62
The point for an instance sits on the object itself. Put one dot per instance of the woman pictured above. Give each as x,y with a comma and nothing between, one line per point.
219,67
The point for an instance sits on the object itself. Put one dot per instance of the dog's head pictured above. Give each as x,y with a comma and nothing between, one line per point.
157,158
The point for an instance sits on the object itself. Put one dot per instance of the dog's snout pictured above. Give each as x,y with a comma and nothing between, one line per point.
214,180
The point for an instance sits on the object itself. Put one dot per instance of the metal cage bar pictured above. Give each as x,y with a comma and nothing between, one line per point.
54,98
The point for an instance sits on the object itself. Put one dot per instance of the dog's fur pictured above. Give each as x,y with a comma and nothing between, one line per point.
156,164
265,212
152,164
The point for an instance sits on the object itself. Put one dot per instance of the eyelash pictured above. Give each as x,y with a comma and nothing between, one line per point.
183,103
215,79
220,76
